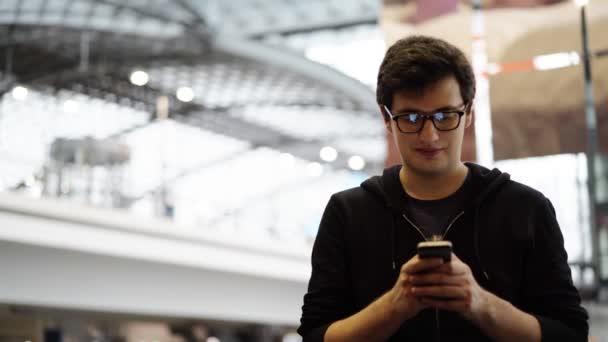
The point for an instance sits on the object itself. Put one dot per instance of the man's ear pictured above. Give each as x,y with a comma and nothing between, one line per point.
387,120
468,117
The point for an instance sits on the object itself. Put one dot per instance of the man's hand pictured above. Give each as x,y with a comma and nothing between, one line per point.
383,317
431,282
402,296
451,287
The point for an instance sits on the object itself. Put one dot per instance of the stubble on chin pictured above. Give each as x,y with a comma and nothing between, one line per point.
426,168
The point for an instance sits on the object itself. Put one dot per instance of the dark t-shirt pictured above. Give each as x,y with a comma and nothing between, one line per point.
434,216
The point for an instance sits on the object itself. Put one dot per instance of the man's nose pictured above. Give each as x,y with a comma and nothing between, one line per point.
428,131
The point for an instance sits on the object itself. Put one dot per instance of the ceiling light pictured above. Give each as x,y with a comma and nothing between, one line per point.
70,106
213,339
314,169
139,78
356,163
556,60
328,154
185,94
19,93
493,68
287,160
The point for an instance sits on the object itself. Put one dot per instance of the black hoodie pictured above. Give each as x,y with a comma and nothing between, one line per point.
508,235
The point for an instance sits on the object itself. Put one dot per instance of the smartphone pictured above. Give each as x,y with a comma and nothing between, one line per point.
435,249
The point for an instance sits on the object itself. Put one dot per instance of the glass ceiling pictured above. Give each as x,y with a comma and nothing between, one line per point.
115,16
165,18
204,164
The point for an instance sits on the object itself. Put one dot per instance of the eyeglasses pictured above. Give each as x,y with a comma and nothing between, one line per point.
412,122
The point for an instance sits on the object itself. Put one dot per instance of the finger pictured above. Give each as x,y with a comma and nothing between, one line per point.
450,268
437,278
440,291
416,264
451,305
455,267
457,259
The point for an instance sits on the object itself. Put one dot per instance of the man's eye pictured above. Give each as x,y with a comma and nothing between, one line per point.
412,117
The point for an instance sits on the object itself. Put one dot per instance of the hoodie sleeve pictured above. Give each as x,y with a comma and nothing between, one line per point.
329,295
549,292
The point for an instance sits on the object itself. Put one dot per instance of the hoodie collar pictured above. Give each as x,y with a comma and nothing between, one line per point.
387,188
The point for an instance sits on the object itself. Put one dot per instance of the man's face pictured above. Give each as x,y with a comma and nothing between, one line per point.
430,151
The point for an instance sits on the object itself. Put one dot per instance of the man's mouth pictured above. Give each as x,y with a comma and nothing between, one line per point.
429,152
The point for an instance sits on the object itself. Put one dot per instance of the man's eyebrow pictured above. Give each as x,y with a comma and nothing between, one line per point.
417,110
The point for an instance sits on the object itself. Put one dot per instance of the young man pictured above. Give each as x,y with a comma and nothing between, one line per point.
508,277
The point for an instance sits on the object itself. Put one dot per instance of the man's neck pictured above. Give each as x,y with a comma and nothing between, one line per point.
431,187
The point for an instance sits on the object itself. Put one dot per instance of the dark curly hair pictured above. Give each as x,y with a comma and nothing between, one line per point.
416,62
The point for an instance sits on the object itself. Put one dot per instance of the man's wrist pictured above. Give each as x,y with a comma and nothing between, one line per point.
502,321
486,314
389,303
393,308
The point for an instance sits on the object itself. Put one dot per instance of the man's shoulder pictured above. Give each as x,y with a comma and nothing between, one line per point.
514,189
507,188
517,199
359,197
357,193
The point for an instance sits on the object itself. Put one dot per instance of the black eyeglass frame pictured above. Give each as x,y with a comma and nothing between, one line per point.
428,116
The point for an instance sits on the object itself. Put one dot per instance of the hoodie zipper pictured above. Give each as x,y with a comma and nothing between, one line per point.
437,321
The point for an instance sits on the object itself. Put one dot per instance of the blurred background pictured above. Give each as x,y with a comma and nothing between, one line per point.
164,163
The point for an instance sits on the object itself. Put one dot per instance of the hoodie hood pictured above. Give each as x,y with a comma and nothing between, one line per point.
387,188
